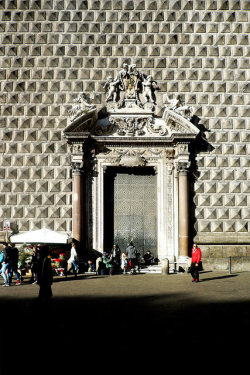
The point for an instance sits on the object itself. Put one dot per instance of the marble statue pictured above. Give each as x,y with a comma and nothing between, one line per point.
149,87
132,83
177,105
82,106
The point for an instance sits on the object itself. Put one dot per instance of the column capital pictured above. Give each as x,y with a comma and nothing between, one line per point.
77,160
183,167
77,168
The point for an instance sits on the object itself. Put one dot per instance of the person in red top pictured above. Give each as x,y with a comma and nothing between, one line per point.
196,257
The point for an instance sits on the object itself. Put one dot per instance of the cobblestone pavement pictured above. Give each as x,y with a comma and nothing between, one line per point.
159,314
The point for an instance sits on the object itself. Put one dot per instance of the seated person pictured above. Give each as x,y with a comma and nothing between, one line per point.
106,261
148,258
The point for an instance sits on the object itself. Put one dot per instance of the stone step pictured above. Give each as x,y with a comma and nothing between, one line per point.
151,269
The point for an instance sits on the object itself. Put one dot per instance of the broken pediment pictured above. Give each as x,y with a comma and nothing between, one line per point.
140,123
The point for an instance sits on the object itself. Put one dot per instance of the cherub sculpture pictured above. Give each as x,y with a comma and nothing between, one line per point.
149,87
112,89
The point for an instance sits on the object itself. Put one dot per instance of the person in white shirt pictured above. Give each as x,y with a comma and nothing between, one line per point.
72,265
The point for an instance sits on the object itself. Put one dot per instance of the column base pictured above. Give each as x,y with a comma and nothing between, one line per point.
184,262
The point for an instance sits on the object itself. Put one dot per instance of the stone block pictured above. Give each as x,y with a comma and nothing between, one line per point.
48,199
223,187
241,200
23,225
42,186
199,213
204,226
66,186
5,212
42,212
35,224
245,213
216,226
53,212
24,200
217,200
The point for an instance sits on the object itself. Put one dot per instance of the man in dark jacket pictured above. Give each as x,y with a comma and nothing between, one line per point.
115,259
44,274
132,256
13,265
148,258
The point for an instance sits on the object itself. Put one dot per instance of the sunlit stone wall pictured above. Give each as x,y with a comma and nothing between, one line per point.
50,51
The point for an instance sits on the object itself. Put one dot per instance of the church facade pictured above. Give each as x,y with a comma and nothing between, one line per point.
128,120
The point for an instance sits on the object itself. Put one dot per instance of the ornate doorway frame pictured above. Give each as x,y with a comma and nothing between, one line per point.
171,162
129,134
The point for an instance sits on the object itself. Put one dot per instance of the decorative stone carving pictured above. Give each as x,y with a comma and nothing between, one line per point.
131,158
77,148
130,125
183,166
178,106
77,167
131,83
149,87
82,107
129,111
112,89
77,158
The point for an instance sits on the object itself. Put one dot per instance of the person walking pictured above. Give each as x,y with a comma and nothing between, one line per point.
72,265
6,262
132,257
1,261
13,265
44,274
196,258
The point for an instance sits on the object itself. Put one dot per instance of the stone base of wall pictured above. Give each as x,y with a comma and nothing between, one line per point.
216,257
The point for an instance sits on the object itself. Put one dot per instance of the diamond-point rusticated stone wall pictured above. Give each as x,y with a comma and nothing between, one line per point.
50,51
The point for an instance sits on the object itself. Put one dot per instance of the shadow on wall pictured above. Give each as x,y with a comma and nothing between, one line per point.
200,145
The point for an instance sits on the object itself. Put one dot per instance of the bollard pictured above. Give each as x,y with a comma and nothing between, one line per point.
165,267
230,265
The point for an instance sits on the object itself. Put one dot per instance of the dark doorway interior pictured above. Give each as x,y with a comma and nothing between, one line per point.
130,208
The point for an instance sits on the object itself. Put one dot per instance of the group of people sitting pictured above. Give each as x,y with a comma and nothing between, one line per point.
127,262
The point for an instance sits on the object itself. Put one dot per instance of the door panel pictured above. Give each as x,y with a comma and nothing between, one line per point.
130,209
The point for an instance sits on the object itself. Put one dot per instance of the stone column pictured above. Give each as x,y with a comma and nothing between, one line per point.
78,204
183,210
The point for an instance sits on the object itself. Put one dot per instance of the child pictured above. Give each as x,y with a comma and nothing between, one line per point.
124,262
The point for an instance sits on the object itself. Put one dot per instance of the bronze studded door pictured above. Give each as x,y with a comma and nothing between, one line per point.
130,209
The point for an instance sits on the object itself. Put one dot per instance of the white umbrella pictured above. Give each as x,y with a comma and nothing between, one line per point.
40,236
